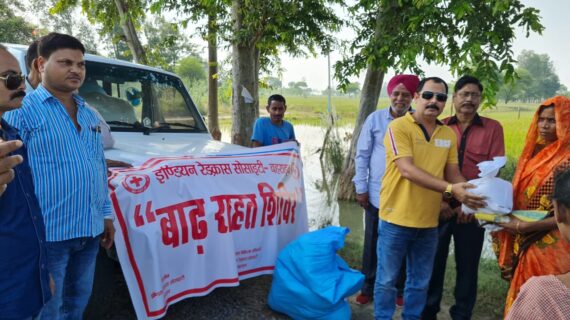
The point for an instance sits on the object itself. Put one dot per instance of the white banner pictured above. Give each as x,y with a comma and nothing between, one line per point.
187,225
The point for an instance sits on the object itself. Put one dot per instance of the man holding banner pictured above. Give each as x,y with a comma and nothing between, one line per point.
275,129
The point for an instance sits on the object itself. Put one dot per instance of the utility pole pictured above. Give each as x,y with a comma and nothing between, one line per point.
329,78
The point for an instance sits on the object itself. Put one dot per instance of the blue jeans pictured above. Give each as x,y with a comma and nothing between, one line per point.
418,246
72,266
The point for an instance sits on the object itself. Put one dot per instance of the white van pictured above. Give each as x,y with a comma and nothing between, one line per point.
148,109
150,114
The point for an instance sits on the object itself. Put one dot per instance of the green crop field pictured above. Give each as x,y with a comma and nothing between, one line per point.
312,110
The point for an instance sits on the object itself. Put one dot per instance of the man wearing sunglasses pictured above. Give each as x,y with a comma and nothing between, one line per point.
370,164
66,156
24,279
421,168
8,162
479,139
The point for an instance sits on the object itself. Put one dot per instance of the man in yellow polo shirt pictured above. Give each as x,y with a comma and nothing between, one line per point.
421,167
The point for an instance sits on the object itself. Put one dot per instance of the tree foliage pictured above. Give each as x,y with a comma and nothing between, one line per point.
272,83
545,82
192,68
15,29
68,21
297,27
128,14
536,79
165,43
515,90
471,37
195,11
215,12
352,89
105,12
298,88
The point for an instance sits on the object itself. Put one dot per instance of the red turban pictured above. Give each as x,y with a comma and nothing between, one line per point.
410,81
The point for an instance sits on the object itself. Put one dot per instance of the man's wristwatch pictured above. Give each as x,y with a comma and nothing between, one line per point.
447,194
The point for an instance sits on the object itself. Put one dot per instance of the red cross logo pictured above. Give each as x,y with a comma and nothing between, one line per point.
136,183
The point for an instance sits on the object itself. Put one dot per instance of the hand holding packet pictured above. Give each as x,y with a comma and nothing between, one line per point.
498,192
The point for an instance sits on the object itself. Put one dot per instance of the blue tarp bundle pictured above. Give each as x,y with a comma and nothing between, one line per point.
311,281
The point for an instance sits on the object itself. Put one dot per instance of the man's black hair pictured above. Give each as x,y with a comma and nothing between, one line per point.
465,80
562,188
32,53
56,41
434,79
275,97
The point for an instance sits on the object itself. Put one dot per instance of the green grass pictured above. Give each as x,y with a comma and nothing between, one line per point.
352,253
492,290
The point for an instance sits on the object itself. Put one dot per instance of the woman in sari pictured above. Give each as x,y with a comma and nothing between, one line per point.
526,249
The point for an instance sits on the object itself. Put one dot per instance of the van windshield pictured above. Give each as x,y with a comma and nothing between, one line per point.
132,99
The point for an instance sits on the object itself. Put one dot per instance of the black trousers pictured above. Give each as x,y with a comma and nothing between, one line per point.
468,242
369,254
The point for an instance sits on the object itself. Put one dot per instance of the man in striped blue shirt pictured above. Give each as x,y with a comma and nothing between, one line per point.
63,138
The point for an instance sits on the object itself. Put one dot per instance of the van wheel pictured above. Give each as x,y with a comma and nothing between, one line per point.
103,286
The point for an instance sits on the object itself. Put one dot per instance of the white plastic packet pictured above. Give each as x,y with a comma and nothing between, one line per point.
498,192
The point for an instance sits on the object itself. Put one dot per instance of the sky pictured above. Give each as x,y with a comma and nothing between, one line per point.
553,41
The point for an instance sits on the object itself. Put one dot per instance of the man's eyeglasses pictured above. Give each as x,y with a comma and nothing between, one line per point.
473,95
441,97
13,81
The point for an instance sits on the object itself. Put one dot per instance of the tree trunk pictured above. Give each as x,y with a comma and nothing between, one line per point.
130,31
256,82
368,102
213,123
244,92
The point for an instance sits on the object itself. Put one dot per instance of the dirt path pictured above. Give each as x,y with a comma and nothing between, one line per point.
247,301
